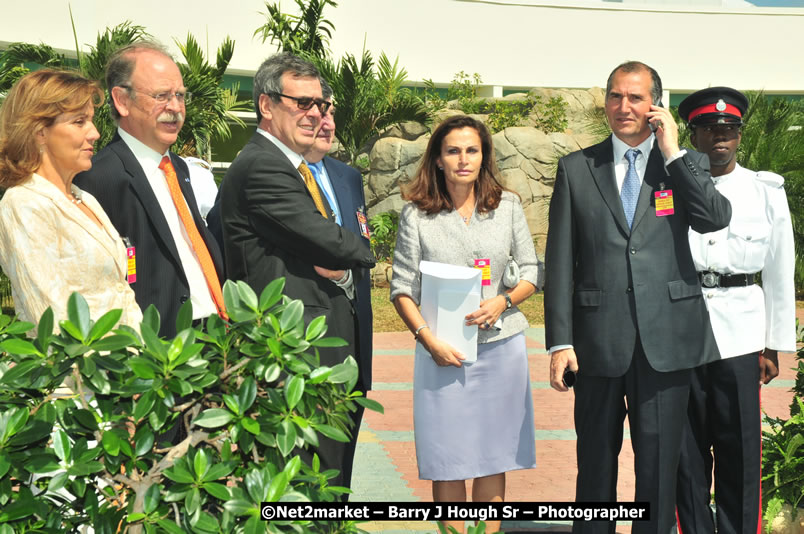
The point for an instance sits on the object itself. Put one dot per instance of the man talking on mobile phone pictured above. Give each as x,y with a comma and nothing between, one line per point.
623,305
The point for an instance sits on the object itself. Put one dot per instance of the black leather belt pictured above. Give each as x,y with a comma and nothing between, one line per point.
712,279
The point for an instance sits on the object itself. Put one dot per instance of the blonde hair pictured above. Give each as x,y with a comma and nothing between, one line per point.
34,103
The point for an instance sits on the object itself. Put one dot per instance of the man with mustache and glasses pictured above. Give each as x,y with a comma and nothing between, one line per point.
277,221
751,323
146,189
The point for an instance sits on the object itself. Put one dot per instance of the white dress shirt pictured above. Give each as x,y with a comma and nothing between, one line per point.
149,159
759,238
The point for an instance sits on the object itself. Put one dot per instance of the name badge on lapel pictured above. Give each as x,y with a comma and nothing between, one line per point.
131,261
664,202
362,222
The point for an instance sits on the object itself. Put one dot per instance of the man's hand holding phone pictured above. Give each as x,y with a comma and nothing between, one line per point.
663,124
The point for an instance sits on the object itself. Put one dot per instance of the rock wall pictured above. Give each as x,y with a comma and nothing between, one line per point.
526,157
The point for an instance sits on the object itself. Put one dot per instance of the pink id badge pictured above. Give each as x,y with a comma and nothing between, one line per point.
484,265
664,202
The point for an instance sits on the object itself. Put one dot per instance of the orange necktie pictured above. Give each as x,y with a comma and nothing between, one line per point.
312,186
197,242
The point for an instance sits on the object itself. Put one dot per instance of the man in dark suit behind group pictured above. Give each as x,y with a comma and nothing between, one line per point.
145,189
623,304
342,186
278,223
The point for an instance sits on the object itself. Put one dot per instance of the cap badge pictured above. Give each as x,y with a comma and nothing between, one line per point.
720,106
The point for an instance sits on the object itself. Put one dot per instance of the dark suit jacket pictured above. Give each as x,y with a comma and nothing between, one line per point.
119,183
606,284
348,185
272,229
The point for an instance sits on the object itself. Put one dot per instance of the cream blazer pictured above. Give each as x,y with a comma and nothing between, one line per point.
49,248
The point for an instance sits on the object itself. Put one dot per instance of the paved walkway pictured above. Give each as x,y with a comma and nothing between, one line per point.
385,463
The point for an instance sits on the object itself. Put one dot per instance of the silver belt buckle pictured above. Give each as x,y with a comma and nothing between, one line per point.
710,279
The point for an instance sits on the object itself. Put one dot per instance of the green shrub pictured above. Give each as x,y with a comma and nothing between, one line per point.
247,396
783,452
550,116
384,227
464,89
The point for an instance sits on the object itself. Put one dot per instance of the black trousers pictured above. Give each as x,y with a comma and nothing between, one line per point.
723,429
656,405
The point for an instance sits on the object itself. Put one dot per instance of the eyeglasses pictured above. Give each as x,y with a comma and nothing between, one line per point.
183,97
305,102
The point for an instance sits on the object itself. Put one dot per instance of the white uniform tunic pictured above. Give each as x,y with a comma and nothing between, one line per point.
759,238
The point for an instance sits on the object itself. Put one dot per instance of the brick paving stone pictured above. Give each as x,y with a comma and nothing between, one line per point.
385,463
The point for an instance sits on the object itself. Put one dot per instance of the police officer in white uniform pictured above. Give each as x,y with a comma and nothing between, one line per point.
751,323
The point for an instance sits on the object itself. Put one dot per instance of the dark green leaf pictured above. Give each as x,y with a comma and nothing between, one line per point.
170,526
16,510
343,372
142,367
18,373
200,464
319,374
57,482
111,343
292,315
184,319
370,404
219,491
18,346
78,314
271,294
61,445
247,394
19,327
42,463
328,342
16,421
213,417
231,403
250,425
153,343
316,328
218,471
255,484
193,500
111,443
150,317
152,497
332,432
45,328
247,295
5,464
86,419
294,389
105,324
143,441
143,405
83,469
277,487
108,363
71,329
179,474
286,437
239,507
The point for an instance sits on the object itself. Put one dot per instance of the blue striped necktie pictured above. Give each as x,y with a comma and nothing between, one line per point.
629,195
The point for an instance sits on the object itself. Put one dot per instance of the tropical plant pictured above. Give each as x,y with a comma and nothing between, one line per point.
87,414
307,33
384,227
208,115
368,99
210,111
549,117
464,89
783,452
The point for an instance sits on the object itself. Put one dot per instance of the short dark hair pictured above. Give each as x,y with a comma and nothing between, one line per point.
428,189
638,66
268,79
121,65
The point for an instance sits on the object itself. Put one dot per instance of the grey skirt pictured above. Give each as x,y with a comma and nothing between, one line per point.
476,420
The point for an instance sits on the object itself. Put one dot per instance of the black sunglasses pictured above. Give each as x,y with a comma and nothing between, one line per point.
305,102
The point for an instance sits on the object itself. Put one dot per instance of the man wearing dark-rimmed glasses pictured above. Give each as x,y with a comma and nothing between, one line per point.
278,223
145,189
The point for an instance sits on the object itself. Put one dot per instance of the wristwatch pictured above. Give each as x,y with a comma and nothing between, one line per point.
508,302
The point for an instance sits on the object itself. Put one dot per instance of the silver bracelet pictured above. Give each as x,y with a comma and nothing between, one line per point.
416,332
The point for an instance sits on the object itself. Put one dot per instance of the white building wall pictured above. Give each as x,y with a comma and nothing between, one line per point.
509,43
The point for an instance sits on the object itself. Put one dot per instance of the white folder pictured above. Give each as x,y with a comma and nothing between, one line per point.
450,293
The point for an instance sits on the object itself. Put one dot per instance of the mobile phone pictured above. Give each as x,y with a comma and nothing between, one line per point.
652,125
569,378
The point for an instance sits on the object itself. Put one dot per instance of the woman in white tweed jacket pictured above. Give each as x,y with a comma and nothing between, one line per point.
54,238
472,421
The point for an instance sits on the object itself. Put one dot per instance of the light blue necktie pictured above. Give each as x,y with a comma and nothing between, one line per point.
317,169
629,195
